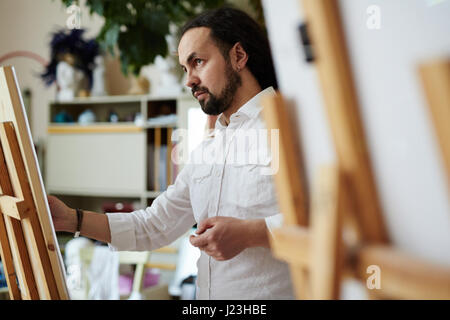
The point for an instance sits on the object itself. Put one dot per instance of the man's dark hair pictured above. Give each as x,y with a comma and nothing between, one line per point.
229,26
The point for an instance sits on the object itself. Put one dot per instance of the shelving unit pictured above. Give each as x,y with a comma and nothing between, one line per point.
125,159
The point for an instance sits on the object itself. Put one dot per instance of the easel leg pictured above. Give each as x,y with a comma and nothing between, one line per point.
11,233
23,228
300,279
326,244
8,263
24,269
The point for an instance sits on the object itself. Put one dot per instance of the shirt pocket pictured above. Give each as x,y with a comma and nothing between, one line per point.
200,190
201,173
255,187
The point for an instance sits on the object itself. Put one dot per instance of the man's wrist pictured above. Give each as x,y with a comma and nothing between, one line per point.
72,221
257,233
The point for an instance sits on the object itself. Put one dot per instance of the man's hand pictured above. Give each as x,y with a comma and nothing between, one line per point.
64,218
225,237
94,225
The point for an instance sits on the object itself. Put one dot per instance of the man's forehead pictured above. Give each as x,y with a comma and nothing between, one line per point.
194,40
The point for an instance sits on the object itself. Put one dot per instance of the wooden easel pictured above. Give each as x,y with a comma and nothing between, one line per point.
20,228
28,246
330,248
313,250
435,76
344,198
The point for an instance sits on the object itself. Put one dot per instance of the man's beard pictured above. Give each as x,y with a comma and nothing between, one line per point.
215,105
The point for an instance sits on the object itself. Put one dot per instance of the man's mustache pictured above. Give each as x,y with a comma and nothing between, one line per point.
195,89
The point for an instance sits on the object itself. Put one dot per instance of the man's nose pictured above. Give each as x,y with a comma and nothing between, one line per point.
192,80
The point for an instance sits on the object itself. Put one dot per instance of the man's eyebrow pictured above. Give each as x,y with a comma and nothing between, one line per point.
192,56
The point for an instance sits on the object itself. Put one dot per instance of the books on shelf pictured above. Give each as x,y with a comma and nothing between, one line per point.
161,170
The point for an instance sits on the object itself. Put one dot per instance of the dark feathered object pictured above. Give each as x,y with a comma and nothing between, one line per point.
71,42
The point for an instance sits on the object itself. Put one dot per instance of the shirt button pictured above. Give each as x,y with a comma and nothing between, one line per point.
218,173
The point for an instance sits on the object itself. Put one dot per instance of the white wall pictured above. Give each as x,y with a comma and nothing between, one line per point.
27,25
406,159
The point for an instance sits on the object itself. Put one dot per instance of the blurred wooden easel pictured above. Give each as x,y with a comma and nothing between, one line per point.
346,236
435,76
28,245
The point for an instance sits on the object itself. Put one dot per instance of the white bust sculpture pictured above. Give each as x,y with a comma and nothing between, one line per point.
98,78
65,77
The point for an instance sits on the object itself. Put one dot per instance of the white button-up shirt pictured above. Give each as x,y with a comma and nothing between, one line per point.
227,175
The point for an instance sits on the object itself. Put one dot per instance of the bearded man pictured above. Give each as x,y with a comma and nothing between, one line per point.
228,65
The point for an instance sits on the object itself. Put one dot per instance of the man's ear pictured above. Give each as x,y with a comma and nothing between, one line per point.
238,56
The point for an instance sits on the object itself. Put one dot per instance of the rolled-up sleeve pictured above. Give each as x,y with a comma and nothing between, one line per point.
273,222
169,217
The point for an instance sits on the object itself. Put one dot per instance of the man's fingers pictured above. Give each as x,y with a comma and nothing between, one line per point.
212,253
198,241
204,225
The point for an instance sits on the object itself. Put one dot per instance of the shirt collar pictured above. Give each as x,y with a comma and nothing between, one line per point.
249,110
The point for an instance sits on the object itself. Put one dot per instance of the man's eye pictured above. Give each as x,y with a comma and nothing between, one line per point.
198,61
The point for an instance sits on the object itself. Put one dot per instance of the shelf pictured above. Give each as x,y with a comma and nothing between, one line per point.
166,125
102,159
94,193
104,127
119,99
94,128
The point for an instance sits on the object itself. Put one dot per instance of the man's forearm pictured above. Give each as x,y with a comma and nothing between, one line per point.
94,225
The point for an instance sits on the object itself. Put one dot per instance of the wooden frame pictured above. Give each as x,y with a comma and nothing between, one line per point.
313,252
341,103
29,247
435,76
321,255
292,191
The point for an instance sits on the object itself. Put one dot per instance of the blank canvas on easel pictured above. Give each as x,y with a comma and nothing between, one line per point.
354,154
